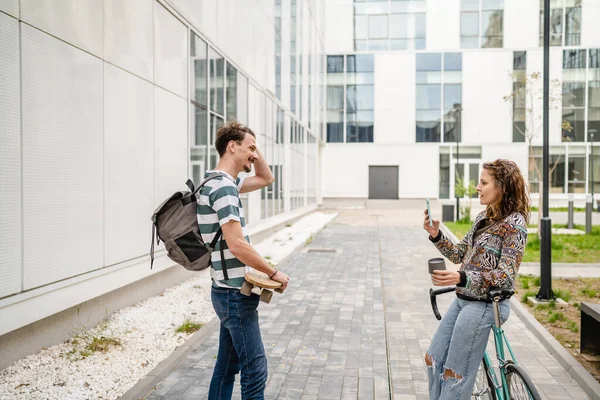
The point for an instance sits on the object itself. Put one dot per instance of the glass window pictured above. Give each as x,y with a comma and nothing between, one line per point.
335,64
492,4
573,94
428,97
200,126
576,174
492,29
452,97
576,118
217,84
469,24
399,26
469,42
360,63
378,26
594,110
573,26
444,186
452,61
420,26
429,62
335,97
469,5
199,59
574,59
231,92
361,27
359,97
520,60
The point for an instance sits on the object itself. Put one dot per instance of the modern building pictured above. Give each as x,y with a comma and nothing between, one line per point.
417,95
106,108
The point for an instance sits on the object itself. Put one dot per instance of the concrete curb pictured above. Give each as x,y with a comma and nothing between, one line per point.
579,374
154,377
575,370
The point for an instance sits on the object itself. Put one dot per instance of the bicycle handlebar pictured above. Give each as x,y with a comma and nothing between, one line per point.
433,293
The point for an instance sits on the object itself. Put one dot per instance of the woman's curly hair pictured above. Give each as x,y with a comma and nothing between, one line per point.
514,192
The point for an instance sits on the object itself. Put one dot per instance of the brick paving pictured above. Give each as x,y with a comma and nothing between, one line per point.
356,324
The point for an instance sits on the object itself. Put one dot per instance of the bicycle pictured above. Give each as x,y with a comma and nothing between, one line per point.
513,382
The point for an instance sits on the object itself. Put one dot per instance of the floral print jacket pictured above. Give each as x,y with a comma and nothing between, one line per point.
492,261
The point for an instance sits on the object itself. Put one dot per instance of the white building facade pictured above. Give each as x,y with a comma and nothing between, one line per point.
433,76
107,107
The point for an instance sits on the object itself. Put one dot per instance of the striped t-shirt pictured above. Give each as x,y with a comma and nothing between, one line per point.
219,202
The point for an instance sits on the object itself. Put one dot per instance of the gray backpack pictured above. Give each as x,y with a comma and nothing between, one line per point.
175,223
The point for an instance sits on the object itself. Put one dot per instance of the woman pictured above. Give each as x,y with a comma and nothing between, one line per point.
490,255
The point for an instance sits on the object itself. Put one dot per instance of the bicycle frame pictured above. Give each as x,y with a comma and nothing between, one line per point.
499,341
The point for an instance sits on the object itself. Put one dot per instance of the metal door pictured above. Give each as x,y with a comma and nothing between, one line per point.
383,182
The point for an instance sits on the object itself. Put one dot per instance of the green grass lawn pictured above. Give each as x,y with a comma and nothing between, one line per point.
576,209
565,248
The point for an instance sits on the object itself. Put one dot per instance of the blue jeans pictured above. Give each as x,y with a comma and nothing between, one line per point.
240,346
458,346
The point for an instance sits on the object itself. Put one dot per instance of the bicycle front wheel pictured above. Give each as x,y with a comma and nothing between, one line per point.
484,388
520,385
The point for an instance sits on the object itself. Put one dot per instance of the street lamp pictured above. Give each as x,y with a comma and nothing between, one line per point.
591,132
457,115
545,293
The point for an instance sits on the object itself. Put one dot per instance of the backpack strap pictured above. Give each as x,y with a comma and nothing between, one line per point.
219,235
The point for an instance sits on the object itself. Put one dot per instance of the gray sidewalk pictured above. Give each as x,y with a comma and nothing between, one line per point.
356,325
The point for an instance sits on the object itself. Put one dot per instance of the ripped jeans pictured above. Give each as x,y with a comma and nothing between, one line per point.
457,348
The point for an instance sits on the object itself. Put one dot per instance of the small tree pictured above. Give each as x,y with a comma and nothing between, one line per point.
530,91
461,191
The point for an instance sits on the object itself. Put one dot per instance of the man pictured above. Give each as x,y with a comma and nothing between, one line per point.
219,206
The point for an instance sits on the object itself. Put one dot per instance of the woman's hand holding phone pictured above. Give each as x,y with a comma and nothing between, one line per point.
432,230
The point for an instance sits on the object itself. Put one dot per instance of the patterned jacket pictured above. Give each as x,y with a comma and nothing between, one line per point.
492,261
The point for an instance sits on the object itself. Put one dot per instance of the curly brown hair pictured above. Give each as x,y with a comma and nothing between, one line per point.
232,130
514,192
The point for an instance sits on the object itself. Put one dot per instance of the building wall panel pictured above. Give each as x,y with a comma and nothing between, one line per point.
10,158
129,153
62,160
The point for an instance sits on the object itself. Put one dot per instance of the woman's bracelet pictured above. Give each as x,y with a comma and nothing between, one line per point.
274,273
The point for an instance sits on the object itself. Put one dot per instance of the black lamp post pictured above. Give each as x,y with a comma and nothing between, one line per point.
545,227
591,132
457,112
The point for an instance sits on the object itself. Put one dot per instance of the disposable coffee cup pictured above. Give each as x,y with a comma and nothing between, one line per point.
437,263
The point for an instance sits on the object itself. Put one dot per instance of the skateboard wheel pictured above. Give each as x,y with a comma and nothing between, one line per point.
266,296
279,290
246,289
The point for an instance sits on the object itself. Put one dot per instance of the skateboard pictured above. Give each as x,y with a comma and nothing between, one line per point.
260,284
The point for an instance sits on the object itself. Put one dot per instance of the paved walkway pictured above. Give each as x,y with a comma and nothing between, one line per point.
356,324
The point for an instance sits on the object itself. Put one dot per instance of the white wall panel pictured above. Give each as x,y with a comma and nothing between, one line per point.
170,51
129,153
521,24
535,63
128,35
590,15
78,22
418,169
62,159
486,117
395,98
170,144
11,7
202,14
10,158
443,25
339,26
518,153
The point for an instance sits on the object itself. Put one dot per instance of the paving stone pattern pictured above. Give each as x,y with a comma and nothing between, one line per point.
357,324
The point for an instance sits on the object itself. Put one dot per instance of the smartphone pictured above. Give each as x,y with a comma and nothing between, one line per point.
429,212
